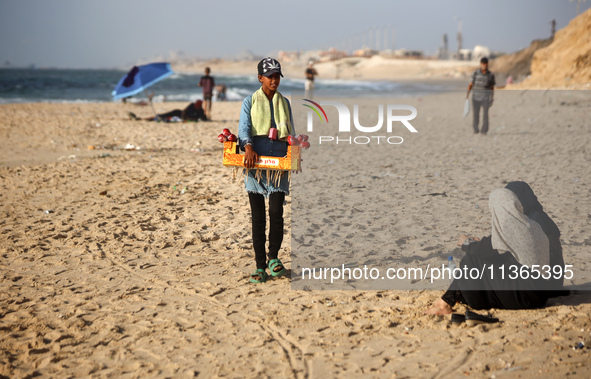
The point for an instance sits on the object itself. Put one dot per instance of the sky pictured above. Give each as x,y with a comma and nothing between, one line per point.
119,33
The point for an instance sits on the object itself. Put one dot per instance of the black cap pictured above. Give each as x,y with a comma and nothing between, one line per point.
269,66
484,60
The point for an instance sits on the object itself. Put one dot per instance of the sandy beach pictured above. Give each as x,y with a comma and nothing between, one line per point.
351,68
135,262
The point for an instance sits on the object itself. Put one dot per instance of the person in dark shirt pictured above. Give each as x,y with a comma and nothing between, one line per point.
193,112
309,85
208,84
483,83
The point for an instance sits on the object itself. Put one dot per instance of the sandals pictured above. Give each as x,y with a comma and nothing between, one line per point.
472,319
261,274
276,267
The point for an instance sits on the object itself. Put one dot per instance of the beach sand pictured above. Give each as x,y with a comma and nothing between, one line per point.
135,263
350,68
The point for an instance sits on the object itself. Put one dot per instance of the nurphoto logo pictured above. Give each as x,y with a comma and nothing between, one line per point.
391,114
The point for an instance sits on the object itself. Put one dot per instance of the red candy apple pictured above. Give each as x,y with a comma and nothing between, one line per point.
305,144
226,132
222,138
292,141
232,138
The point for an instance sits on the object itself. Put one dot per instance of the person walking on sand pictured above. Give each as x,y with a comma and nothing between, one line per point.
309,85
483,83
265,123
208,84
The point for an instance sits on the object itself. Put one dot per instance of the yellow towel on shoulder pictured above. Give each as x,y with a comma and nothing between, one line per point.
260,115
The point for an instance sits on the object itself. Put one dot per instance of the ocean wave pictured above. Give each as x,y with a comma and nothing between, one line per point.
80,86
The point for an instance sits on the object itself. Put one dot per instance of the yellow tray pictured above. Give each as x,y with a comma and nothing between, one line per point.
291,162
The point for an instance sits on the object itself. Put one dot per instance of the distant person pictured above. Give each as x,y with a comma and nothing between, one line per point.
193,112
221,89
208,84
483,83
310,74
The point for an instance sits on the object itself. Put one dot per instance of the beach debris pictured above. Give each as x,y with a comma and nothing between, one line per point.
182,191
131,147
103,193
48,211
579,346
102,147
509,369
436,194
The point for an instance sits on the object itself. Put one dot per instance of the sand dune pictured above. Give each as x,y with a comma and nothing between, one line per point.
566,62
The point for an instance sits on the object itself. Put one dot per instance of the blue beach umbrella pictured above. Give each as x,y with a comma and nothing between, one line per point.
141,77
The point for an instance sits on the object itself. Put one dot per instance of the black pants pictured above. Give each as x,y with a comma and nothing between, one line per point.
259,218
177,112
503,293
485,104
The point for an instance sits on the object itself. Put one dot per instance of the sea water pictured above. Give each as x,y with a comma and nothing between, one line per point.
63,85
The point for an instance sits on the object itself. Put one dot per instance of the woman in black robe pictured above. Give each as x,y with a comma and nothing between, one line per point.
508,257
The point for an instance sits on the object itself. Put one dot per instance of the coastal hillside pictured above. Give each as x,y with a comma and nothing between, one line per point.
566,62
518,64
